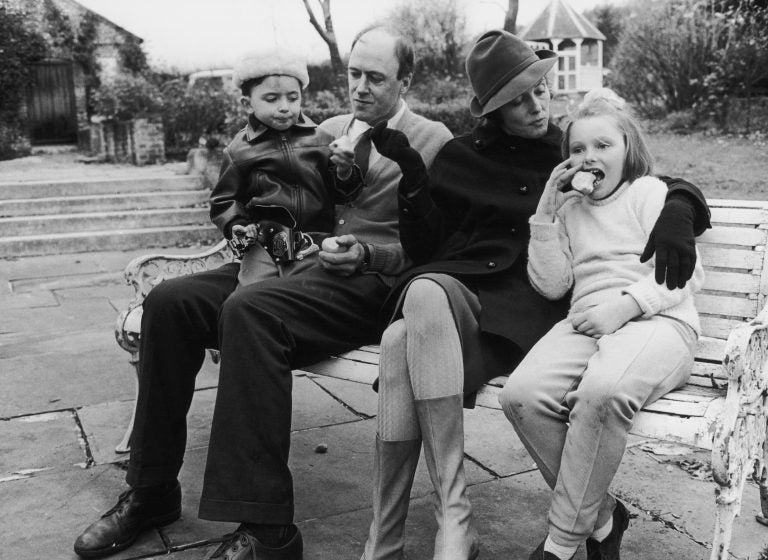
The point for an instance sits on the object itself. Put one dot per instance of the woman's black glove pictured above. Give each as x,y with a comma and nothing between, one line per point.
394,145
673,241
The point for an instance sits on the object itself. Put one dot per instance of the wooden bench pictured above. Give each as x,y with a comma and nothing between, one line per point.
722,408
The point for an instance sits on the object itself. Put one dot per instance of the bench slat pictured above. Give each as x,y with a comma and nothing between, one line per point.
725,305
750,216
721,257
717,327
736,282
747,237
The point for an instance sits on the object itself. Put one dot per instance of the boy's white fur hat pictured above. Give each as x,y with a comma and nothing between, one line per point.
269,62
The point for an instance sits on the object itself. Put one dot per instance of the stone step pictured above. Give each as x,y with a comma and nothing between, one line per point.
10,190
111,240
103,203
102,221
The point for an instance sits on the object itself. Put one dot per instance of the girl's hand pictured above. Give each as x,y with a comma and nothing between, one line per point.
606,318
552,198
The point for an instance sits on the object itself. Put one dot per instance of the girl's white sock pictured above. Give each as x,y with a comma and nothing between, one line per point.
600,534
562,552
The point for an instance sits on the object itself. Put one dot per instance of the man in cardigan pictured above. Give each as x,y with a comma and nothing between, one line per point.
264,331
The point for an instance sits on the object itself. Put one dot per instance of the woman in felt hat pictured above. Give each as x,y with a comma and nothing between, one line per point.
466,312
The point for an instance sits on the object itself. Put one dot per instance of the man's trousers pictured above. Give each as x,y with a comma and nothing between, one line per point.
263,331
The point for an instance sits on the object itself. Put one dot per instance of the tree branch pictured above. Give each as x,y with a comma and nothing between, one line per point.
316,24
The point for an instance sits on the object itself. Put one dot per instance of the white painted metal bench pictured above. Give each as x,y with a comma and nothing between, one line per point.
722,408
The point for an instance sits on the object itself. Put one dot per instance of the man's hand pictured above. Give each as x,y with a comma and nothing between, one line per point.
673,241
342,156
606,318
341,255
394,145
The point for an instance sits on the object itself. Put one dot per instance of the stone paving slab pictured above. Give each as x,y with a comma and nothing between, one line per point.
40,445
360,397
491,440
42,516
39,383
676,498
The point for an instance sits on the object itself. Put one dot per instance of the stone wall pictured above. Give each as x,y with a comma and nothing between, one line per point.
138,141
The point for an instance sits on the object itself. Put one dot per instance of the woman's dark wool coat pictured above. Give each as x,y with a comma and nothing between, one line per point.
471,222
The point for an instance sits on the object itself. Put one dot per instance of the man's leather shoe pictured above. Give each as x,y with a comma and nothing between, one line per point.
135,511
608,549
241,545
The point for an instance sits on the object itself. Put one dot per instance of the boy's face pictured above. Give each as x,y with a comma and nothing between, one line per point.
276,101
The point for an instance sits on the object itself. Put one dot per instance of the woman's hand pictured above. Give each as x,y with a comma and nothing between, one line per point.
394,145
552,198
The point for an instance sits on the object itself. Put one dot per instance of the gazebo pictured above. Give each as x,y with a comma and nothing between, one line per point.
578,43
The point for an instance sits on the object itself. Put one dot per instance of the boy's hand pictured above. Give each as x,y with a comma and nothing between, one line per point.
606,318
341,255
342,156
243,238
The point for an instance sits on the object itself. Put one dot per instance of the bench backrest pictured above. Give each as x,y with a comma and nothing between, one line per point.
733,254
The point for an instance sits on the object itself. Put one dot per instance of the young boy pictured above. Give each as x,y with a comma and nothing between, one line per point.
275,194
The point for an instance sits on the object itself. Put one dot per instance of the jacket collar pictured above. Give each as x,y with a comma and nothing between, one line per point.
255,129
488,133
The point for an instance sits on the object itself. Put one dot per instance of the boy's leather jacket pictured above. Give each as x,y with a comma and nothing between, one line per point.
267,167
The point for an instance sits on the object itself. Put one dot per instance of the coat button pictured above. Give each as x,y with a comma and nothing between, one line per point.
523,190
513,231
491,264
406,211
342,222
478,144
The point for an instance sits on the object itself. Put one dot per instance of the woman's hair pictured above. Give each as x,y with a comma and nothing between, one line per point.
604,102
404,48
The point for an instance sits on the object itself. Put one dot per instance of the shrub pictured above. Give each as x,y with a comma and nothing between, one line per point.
126,97
676,55
454,114
323,105
20,46
200,113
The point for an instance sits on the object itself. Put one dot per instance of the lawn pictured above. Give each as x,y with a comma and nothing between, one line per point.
721,166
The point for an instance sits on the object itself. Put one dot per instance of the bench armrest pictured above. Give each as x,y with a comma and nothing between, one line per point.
741,429
147,271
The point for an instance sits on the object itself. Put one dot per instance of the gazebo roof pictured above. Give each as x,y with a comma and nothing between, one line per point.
559,20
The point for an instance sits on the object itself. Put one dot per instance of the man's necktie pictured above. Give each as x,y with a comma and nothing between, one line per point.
363,152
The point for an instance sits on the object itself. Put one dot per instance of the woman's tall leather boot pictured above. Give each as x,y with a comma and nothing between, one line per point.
394,467
442,431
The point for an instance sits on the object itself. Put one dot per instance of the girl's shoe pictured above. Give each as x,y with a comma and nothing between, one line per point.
541,554
608,549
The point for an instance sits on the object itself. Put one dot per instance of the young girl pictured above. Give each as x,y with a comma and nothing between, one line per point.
626,340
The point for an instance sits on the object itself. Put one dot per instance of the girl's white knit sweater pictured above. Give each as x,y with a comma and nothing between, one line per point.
594,246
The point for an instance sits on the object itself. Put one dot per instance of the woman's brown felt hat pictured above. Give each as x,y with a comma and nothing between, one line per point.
500,67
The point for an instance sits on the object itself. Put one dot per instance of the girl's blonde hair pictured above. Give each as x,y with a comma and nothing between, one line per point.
604,102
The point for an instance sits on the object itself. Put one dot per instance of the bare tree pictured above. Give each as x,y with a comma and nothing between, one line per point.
328,35
510,19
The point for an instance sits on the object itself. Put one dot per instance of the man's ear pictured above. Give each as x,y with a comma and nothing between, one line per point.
245,102
405,83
